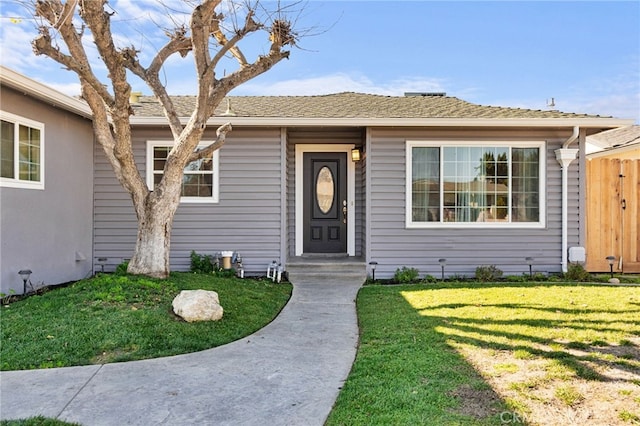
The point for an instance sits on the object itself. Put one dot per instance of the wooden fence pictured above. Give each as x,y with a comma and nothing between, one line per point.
613,214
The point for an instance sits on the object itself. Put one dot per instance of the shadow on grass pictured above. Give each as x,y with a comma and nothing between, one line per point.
410,368
545,328
595,341
407,373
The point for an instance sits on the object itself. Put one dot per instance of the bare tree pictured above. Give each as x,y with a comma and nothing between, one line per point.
208,38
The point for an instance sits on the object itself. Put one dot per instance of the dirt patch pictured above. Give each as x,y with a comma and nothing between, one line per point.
476,403
593,385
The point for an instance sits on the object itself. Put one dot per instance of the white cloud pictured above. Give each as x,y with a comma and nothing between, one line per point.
15,45
618,105
69,89
140,14
341,82
609,95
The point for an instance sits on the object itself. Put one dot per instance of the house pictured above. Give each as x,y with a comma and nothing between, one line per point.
613,200
397,180
46,188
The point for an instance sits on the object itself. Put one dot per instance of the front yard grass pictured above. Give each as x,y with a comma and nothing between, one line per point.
491,354
112,318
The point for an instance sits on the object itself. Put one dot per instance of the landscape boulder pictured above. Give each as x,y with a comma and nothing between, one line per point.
197,305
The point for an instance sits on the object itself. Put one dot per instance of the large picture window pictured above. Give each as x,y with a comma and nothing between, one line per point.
200,180
21,152
475,184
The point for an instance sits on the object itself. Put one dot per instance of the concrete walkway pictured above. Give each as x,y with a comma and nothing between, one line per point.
288,373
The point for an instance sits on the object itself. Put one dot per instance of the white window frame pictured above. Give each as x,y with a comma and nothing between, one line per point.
16,182
215,180
410,144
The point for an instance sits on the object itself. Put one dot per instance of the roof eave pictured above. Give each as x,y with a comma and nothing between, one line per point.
615,150
43,92
593,122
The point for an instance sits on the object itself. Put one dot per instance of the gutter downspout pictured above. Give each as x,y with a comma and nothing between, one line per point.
565,157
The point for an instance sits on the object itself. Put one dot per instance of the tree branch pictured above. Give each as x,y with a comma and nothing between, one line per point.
151,76
202,18
98,21
250,25
60,16
221,135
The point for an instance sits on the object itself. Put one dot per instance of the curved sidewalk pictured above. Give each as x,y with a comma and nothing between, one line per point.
288,373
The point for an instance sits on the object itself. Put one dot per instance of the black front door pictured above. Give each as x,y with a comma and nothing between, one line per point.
325,202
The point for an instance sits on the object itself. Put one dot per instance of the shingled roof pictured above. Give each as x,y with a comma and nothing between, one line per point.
350,105
618,138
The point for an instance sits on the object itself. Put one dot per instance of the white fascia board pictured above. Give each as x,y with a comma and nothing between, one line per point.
24,84
43,92
397,122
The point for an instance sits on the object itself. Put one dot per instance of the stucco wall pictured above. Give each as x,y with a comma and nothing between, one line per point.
49,231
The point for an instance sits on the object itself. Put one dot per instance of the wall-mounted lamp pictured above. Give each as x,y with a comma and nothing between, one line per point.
529,261
24,274
373,266
355,154
442,263
611,260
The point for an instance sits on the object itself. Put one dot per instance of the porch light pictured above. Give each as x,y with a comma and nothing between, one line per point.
611,260
529,261
373,266
24,274
355,154
443,263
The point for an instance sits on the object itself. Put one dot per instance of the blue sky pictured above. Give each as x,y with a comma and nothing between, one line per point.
585,55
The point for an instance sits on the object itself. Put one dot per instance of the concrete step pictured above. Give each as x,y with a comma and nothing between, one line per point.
327,269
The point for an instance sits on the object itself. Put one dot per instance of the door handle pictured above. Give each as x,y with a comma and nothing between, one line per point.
344,211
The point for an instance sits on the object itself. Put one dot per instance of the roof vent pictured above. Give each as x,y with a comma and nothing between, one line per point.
229,112
434,94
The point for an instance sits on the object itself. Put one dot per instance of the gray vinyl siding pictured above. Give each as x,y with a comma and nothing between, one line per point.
247,219
393,246
250,217
49,230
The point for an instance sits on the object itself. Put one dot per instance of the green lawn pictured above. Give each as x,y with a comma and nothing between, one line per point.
435,354
490,354
113,318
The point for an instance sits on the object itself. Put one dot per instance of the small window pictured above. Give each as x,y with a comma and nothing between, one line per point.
21,152
200,179
475,184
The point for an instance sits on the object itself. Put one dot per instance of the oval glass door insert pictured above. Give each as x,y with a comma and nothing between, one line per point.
325,189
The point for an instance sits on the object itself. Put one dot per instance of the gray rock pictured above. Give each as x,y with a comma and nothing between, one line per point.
197,305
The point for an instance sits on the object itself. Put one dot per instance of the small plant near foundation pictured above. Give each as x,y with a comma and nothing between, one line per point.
575,272
406,275
121,269
6,298
429,279
488,273
201,263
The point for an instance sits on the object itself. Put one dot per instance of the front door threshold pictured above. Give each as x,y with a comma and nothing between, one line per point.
324,255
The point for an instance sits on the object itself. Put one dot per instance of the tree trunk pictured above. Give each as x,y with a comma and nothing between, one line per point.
151,255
